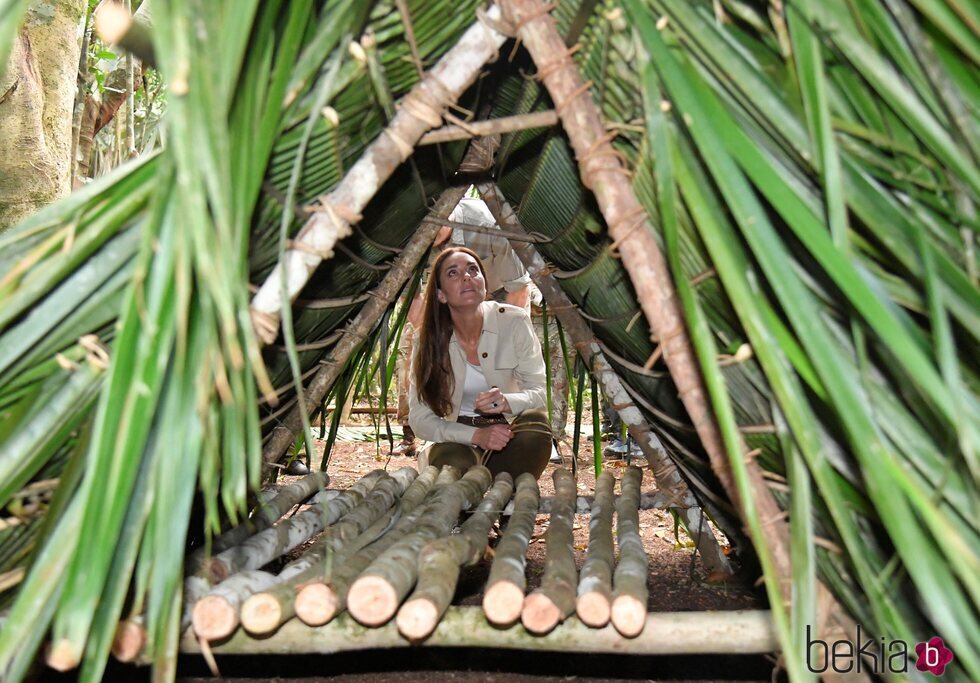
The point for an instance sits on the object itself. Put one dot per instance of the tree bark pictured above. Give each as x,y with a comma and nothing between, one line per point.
440,561
595,581
37,94
629,607
375,596
504,595
554,601
382,297
666,474
215,616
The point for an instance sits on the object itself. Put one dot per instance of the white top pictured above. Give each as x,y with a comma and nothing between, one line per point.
474,383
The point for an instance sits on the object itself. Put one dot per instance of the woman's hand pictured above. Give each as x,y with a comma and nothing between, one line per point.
491,402
492,438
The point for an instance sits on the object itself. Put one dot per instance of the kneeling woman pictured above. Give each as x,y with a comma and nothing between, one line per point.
477,363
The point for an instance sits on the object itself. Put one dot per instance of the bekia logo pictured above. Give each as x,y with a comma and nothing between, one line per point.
933,656
875,656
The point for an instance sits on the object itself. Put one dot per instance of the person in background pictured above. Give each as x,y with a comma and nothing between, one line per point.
477,381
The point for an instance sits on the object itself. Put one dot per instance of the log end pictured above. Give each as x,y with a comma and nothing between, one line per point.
63,656
129,641
593,609
316,604
417,619
372,601
629,615
214,618
540,614
502,603
261,614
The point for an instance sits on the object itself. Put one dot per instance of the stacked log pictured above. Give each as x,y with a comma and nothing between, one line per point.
554,601
267,610
375,596
440,562
320,601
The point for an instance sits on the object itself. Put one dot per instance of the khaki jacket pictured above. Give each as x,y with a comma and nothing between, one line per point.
511,359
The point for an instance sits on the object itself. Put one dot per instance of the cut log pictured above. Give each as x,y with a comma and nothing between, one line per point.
215,616
629,607
554,601
129,640
374,597
320,601
264,517
265,611
595,581
504,596
440,561
726,632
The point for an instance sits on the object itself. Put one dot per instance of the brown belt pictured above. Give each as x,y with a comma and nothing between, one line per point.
481,420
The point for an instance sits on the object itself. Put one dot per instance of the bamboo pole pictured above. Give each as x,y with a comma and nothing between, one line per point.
666,474
554,601
629,607
504,596
319,602
382,297
265,611
728,632
595,580
440,561
420,111
476,129
374,597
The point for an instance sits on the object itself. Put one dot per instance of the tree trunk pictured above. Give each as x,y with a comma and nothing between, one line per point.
37,94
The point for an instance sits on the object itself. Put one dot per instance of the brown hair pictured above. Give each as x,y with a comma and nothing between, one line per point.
433,369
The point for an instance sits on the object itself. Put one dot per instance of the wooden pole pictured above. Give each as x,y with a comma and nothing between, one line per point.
728,632
439,563
595,580
554,601
382,297
374,597
666,474
320,601
215,616
476,129
629,607
420,111
585,505
265,611
503,598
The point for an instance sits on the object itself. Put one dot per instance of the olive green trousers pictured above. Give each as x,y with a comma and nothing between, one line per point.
527,451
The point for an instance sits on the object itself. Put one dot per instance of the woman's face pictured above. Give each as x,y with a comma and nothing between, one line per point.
461,281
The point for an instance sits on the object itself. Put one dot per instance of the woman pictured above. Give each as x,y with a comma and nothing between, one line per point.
476,363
